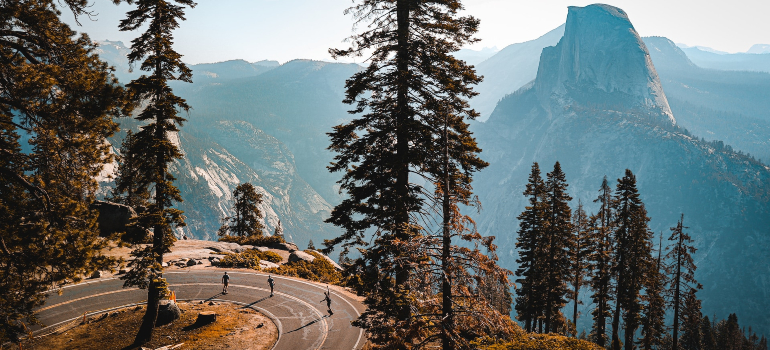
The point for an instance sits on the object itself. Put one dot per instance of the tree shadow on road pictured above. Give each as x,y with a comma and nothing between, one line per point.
309,324
256,302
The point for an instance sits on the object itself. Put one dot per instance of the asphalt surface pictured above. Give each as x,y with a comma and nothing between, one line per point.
296,308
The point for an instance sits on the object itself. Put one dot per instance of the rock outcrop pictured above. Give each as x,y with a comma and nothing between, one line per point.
113,217
300,256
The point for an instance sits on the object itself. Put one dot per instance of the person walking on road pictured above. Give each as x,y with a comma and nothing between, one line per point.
225,282
271,282
328,300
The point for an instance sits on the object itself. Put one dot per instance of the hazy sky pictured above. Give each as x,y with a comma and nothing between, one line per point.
218,30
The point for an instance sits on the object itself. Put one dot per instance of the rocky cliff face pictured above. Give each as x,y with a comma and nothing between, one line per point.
601,60
597,107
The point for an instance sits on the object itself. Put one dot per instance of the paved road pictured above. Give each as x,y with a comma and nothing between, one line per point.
296,308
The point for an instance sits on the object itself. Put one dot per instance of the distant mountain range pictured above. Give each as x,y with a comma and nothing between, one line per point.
598,106
590,94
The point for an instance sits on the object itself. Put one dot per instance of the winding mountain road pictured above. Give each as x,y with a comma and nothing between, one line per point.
296,308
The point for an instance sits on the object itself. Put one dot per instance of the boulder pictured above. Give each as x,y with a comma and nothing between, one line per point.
113,217
298,255
206,317
267,264
334,263
168,312
192,262
228,247
96,274
284,246
215,261
261,249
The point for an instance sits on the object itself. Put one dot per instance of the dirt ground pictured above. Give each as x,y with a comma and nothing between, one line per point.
235,328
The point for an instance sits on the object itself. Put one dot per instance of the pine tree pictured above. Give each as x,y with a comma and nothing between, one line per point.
129,188
653,319
709,340
465,273
581,248
411,85
56,92
632,259
683,267
601,261
152,142
247,221
691,322
558,245
529,301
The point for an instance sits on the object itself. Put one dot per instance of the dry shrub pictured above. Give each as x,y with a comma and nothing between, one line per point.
319,270
521,340
259,241
248,259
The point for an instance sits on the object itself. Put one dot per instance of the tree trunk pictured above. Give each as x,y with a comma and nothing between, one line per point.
675,343
150,316
446,307
402,144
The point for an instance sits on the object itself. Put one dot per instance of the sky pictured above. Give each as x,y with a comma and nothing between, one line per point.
282,30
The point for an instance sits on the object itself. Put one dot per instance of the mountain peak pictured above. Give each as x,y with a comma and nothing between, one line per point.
601,60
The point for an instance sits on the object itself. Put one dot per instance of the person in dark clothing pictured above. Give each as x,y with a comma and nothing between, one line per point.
271,282
225,282
328,300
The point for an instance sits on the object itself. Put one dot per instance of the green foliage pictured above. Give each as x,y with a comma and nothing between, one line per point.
248,259
521,340
257,241
56,93
247,220
601,262
545,240
319,270
632,258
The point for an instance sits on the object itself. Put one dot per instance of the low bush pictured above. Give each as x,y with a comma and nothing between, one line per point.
259,241
319,270
522,340
248,259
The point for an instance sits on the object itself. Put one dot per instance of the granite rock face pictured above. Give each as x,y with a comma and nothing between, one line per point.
601,60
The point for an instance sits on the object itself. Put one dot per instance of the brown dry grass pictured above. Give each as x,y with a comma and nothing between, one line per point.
235,328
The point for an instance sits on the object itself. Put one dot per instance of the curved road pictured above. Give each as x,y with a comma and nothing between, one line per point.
296,308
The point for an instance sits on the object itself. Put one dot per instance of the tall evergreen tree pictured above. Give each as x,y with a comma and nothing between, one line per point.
247,220
558,245
405,95
581,248
601,261
692,338
683,270
161,113
58,95
653,319
632,259
466,274
709,340
532,221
